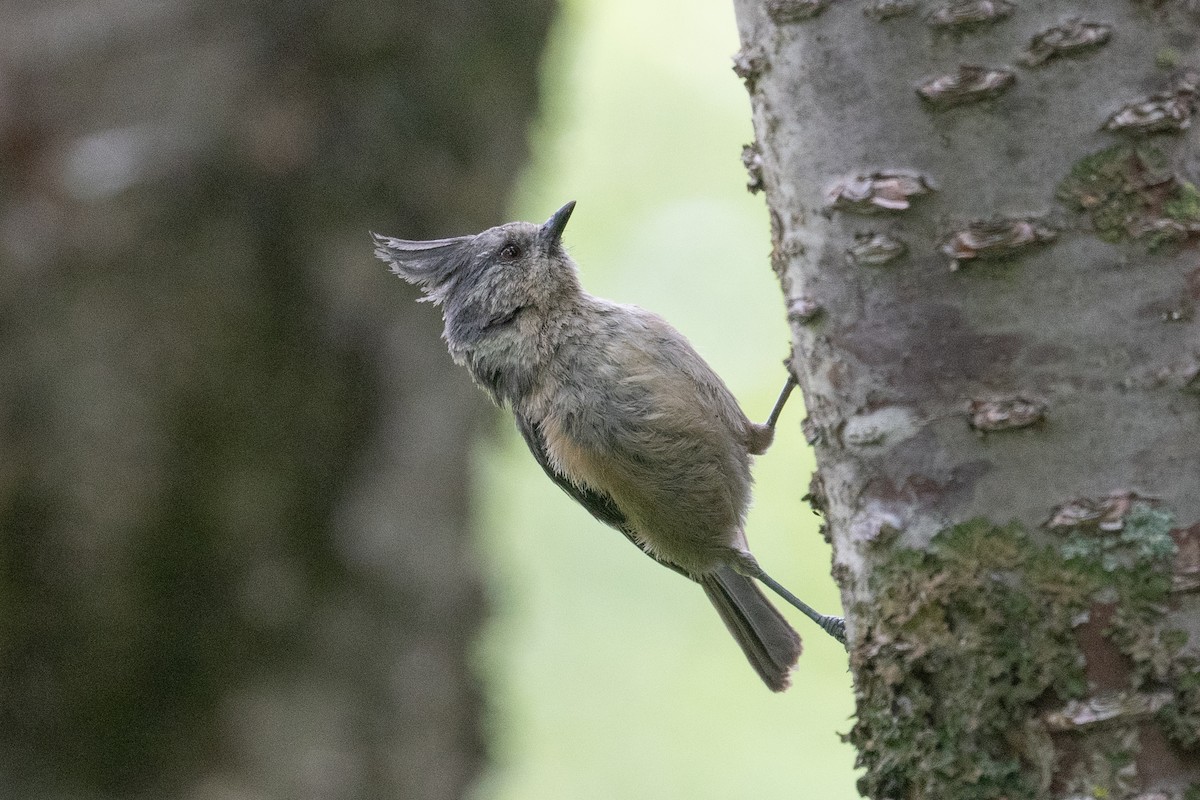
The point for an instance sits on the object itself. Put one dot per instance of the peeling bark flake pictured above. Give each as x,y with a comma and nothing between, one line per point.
879,191
1005,414
752,161
1105,514
748,64
1169,111
1128,707
996,238
1069,38
970,84
873,249
970,13
804,310
888,9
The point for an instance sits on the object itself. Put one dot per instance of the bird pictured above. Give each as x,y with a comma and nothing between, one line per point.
618,409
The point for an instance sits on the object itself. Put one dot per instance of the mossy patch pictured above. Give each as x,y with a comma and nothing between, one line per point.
1139,560
1181,720
966,636
973,639
1129,192
1108,771
1184,204
1168,58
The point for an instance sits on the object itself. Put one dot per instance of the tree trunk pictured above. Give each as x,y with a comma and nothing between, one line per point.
234,481
985,219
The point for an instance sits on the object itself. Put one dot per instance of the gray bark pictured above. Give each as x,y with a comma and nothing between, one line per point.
234,553
993,296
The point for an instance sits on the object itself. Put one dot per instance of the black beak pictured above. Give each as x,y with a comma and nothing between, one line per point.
552,230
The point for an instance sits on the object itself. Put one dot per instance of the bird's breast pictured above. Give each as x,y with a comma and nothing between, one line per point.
579,464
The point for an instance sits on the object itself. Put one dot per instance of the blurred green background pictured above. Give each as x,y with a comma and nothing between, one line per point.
610,676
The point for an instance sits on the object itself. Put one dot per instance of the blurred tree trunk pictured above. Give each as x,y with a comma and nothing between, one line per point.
234,550
992,278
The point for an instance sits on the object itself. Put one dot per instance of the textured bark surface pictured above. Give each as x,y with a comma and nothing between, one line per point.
234,556
993,278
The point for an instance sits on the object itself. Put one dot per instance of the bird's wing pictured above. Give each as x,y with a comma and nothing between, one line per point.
598,504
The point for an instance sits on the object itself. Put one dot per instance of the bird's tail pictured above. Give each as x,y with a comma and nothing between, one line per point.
770,644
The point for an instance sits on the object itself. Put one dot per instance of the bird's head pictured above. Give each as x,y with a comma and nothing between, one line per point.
486,281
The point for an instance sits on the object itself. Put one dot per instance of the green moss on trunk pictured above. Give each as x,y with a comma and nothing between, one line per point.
1130,193
973,641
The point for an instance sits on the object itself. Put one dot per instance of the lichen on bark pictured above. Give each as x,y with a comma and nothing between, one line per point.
973,653
948,666
1129,192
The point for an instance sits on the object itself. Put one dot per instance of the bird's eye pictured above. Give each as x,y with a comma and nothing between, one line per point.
510,251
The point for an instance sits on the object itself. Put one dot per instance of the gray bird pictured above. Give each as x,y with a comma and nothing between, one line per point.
618,409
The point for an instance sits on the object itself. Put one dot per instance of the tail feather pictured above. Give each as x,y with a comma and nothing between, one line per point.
769,642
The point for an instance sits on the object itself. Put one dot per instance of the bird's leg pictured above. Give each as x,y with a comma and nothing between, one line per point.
834,626
782,401
761,436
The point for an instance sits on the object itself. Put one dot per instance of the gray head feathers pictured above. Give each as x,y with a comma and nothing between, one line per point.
484,281
429,264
